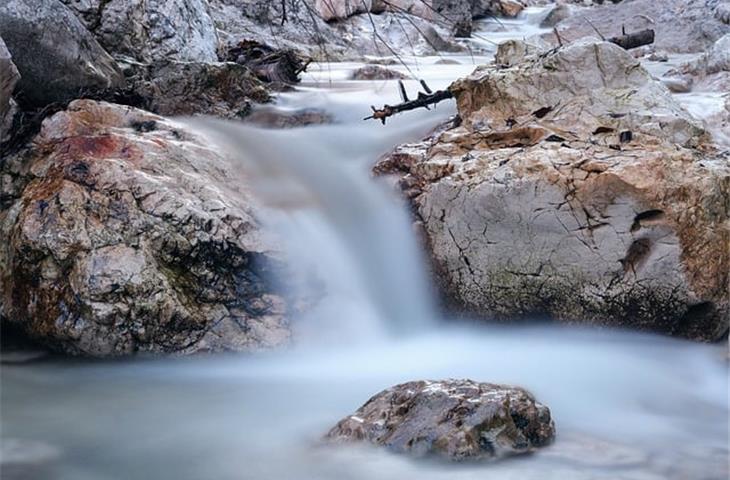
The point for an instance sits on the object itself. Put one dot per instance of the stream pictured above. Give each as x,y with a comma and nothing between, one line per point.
626,405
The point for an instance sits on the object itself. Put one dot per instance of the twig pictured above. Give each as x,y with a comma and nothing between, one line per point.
424,100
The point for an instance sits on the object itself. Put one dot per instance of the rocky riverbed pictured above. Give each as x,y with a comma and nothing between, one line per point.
181,177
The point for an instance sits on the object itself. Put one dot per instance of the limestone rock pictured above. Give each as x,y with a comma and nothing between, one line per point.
151,30
222,89
9,77
331,10
576,187
376,72
133,236
58,59
455,419
681,26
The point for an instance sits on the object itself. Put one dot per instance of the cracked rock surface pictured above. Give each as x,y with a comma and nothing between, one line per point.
127,234
575,187
454,419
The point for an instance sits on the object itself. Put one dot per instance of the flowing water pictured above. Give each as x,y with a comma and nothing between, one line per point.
626,405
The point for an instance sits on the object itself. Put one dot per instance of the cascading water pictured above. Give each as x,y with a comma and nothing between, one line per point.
626,405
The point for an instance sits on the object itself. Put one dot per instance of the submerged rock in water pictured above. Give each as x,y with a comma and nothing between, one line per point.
454,419
376,72
576,186
58,59
130,235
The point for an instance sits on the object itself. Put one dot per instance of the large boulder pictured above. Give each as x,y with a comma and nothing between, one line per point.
331,10
57,57
454,419
576,187
222,89
131,235
681,26
151,30
9,77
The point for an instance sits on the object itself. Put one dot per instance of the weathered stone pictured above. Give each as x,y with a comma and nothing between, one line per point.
331,10
722,12
133,236
9,77
681,26
58,59
269,117
455,419
151,30
556,15
223,89
709,72
579,191
376,72
503,8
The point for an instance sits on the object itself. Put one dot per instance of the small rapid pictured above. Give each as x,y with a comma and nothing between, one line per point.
626,405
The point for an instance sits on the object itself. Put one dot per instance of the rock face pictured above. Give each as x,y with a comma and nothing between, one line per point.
681,26
9,77
151,30
130,236
223,89
455,419
57,57
576,187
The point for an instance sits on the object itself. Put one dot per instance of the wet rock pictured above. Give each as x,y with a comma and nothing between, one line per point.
709,72
722,12
501,8
131,235
658,57
556,15
281,66
575,191
456,14
331,10
58,59
151,30
269,117
376,72
681,26
222,89
454,419
9,77
679,84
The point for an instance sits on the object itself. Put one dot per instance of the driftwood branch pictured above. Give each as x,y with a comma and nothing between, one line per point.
424,100
634,40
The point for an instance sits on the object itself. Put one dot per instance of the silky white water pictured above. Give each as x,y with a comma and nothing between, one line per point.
626,405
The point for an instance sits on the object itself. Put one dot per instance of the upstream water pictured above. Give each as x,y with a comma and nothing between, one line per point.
626,405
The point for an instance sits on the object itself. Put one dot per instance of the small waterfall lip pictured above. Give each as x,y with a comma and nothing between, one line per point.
325,206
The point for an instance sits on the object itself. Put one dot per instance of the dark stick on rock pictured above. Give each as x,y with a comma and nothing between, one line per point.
424,100
634,40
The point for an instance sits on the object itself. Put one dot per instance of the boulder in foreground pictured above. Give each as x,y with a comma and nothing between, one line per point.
128,234
453,419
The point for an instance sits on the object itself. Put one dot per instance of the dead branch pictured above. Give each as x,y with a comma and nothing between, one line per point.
424,100
634,40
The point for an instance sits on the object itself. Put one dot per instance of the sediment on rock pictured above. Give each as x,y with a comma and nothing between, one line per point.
578,191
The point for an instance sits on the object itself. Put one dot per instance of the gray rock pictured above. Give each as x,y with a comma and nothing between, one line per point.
567,190
132,235
58,59
722,12
681,26
9,77
222,89
376,72
151,30
556,15
455,419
